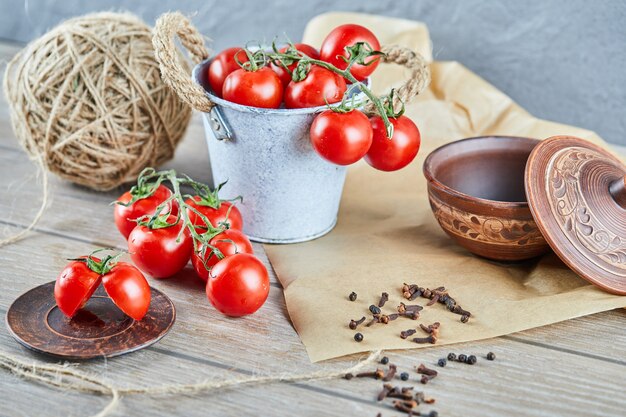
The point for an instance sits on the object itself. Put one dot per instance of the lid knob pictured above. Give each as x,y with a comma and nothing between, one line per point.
618,191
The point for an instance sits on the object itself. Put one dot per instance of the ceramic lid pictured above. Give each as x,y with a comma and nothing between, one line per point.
577,195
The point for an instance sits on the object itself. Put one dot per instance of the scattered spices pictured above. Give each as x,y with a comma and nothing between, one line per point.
372,321
406,406
426,378
348,376
413,315
491,356
462,357
377,374
358,337
422,369
387,388
355,323
391,373
471,360
352,296
451,356
403,308
432,328
384,297
430,339
404,376
374,309
406,333
384,360
384,318
464,318
442,362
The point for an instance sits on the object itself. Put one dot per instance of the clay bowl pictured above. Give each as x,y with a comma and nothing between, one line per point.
476,191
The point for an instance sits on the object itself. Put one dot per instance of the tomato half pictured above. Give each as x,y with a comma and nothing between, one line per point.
128,289
158,252
229,242
333,48
319,87
341,138
261,88
238,285
226,214
222,65
125,216
74,286
283,74
394,154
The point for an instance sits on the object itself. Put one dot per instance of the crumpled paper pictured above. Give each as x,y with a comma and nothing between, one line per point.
387,234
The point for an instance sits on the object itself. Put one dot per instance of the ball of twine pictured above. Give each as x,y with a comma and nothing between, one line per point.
88,100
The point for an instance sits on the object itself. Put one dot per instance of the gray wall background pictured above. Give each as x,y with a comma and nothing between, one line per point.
563,60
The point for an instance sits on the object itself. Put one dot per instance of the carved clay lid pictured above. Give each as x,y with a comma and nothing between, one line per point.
577,195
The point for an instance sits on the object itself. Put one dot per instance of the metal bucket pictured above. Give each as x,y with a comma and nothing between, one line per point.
290,194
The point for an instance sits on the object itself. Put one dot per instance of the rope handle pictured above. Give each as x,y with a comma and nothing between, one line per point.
177,77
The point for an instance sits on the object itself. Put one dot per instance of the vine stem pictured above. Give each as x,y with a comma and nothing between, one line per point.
348,76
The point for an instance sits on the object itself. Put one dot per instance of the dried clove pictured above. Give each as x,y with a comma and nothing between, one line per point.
355,323
406,333
413,315
422,369
405,406
352,296
426,378
391,373
372,321
436,295
403,308
387,388
464,318
377,374
431,328
430,339
384,297
403,394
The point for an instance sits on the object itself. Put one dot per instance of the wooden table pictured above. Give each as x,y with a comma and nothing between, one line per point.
574,368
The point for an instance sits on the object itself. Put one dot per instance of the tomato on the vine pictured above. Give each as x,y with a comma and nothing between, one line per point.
394,154
334,48
226,213
125,216
321,86
222,65
258,88
284,74
238,285
229,242
161,251
341,138
125,285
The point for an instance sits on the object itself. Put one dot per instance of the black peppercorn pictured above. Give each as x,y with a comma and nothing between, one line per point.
462,357
404,376
358,337
384,360
491,356
433,413
451,356
374,309
352,296
442,362
471,360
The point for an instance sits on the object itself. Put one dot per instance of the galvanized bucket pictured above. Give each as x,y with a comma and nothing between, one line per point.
290,194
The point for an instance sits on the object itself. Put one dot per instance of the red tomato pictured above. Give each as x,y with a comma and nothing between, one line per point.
333,48
222,65
74,286
128,289
227,213
157,251
229,242
394,154
318,85
341,138
238,285
260,88
124,216
283,74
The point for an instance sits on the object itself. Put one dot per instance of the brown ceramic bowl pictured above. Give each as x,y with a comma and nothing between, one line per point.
476,191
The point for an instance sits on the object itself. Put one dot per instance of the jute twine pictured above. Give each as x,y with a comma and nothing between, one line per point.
87,99
174,24
66,377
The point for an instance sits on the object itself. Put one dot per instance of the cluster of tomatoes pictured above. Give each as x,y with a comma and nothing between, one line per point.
164,231
299,76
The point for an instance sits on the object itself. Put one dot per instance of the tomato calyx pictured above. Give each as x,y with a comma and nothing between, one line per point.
359,52
148,182
100,266
256,59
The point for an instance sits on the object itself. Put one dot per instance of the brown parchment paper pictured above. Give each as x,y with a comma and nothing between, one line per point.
387,235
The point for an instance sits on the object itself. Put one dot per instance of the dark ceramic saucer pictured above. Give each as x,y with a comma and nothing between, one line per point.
99,329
